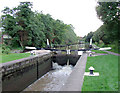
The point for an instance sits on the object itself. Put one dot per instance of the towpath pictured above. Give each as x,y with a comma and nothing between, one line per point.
109,52
75,81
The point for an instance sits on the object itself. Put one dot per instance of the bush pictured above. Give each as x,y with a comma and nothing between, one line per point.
115,47
100,44
5,49
96,43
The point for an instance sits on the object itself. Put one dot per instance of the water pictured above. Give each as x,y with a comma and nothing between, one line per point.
53,80
74,47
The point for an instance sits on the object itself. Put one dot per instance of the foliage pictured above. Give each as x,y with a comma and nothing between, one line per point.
99,34
109,32
108,11
15,22
107,66
115,47
101,43
89,36
69,36
28,28
5,49
106,33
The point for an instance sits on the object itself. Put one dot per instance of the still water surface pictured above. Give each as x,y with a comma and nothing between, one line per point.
53,80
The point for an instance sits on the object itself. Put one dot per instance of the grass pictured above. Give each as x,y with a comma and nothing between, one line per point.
115,51
98,51
107,66
13,56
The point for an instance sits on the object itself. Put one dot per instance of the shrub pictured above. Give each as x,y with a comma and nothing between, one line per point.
5,49
96,43
115,47
100,44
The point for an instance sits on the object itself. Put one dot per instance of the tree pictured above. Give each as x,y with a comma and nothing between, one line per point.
28,28
16,22
70,35
88,37
37,34
108,12
23,16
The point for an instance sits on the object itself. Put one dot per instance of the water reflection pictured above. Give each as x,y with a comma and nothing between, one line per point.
53,80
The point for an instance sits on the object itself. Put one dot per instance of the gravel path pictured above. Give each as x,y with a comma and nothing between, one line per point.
116,54
98,54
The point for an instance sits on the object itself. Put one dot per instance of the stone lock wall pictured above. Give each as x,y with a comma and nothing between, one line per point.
62,59
18,74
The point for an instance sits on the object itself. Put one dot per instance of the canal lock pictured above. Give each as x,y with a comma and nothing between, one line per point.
23,73
62,65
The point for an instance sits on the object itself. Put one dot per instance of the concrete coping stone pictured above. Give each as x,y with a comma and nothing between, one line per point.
94,74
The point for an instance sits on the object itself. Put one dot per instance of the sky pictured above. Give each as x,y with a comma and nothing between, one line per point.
80,13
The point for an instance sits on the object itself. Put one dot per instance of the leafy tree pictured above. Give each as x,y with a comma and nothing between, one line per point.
88,37
37,31
108,12
28,28
70,35
58,31
16,22
100,34
23,15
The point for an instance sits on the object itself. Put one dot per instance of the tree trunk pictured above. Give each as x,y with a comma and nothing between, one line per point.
21,44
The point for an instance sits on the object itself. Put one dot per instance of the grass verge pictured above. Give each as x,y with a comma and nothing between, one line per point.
14,56
98,51
107,66
115,51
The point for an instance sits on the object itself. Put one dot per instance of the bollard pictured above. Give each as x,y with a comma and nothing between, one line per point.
91,70
91,73
90,54
32,53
